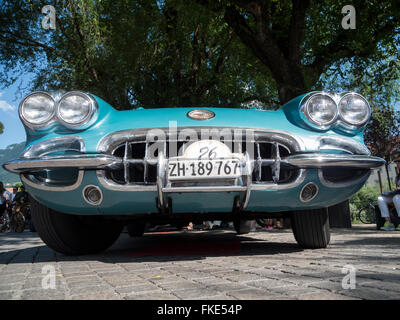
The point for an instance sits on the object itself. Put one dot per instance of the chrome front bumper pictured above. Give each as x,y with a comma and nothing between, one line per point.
103,161
244,185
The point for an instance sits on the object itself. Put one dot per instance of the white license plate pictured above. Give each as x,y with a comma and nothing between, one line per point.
204,169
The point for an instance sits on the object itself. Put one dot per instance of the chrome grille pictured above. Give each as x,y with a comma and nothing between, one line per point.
140,165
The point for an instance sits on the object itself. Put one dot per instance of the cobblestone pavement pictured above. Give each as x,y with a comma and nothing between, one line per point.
207,265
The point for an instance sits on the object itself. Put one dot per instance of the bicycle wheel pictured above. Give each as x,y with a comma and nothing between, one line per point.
367,215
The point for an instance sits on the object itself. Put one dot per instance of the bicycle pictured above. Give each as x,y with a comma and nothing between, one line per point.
366,214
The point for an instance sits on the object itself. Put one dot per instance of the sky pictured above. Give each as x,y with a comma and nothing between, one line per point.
10,98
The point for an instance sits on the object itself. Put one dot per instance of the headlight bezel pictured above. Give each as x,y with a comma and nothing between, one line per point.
305,113
41,125
347,124
337,123
55,118
89,118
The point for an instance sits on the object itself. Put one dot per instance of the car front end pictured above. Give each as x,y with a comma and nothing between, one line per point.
83,157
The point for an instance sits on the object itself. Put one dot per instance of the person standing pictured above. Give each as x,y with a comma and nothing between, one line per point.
15,190
4,197
391,197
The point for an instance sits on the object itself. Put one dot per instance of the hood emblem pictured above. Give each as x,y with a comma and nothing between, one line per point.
201,114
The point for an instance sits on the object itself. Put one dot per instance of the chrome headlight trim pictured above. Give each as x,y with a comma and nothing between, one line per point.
347,124
88,120
305,113
36,126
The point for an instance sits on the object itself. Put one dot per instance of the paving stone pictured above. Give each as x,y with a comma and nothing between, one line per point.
97,296
43,294
10,279
88,290
383,285
294,291
370,294
270,266
154,295
6,295
36,282
324,296
122,280
269,283
180,285
252,294
144,286
194,293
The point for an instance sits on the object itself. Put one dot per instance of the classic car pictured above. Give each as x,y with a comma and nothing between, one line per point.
91,169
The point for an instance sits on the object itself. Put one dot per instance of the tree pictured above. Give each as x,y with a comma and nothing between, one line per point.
383,134
1,128
132,53
300,40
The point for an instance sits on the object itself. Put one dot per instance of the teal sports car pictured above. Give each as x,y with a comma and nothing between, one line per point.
91,169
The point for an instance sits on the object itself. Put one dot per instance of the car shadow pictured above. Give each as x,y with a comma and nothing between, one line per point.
159,246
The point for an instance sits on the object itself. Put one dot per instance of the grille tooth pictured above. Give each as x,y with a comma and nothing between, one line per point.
140,166
127,156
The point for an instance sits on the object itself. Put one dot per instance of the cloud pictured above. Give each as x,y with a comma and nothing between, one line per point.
5,106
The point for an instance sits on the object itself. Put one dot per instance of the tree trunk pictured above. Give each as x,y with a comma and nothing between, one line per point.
380,180
388,177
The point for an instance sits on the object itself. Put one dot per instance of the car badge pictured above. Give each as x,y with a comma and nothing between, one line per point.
201,114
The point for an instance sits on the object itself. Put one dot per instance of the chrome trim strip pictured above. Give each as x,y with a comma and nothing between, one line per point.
321,160
330,184
112,140
205,189
84,161
273,187
254,187
38,185
248,176
342,144
162,168
108,184
70,143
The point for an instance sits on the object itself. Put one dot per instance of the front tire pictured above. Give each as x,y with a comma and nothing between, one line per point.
73,234
242,226
311,228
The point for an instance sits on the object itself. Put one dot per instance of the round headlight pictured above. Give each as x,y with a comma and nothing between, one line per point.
321,110
75,109
354,109
37,109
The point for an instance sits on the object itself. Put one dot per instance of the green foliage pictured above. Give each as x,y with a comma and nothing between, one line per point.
383,131
133,53
199,52
1,128
12,152
360,202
